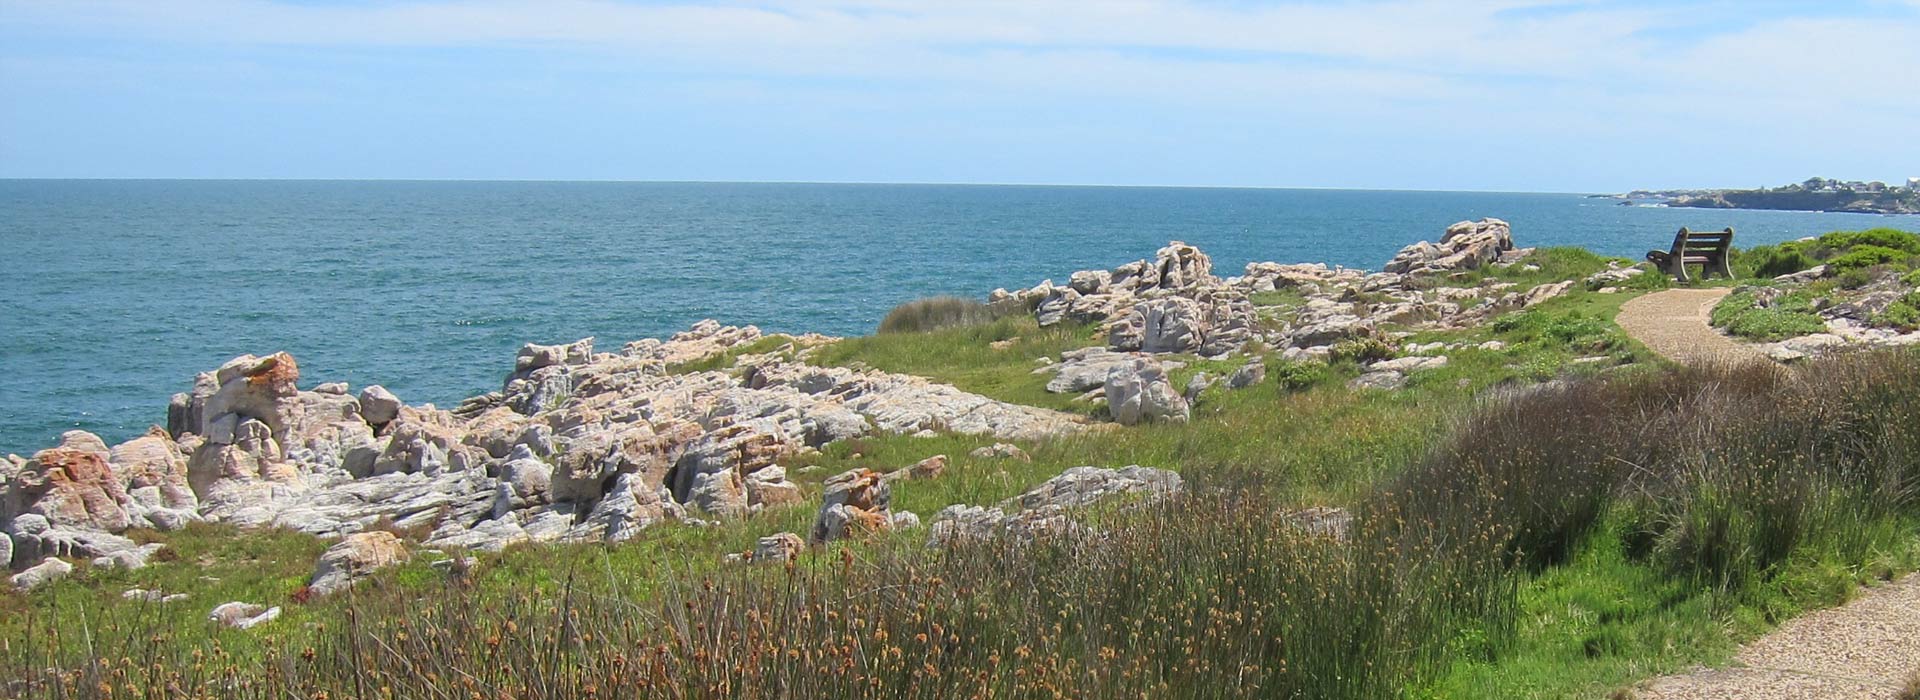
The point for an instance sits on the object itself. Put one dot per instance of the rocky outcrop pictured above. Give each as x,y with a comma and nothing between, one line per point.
47,571
71,487
353,558
1140,392
784,546
1047,508
578,444
239,615
856,503
1468,245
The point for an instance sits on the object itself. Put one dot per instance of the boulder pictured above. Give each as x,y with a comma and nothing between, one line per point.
34,537
1082,486
1467,245
854,502
353,558
722,493
1250,374
47,571
129,559
1172,324
929,468
6,550
631,505
769,487
154,461
1139,392
379,406
1046,508
1081,370
784,546
525,482
239,615
261,389
1001,450
71,487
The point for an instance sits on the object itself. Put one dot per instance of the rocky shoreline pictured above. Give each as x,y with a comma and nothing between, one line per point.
582,444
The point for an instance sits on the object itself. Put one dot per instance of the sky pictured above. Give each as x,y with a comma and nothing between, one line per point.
1509,95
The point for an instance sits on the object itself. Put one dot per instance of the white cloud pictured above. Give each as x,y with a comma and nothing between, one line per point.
1481,67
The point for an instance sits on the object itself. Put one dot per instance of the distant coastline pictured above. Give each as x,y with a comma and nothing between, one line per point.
1815,194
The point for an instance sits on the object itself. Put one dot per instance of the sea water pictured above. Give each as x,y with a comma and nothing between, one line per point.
114,293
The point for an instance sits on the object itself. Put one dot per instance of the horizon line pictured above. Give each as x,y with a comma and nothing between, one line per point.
915,183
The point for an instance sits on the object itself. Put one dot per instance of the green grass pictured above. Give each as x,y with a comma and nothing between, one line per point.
965,357
1787,316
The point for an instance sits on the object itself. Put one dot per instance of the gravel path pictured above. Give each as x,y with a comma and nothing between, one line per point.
1674,324
1865,650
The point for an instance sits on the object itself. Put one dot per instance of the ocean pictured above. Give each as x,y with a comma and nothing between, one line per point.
117,292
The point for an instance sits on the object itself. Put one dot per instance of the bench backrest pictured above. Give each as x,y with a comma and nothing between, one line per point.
1713,243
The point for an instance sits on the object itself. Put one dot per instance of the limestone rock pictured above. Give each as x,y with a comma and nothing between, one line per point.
1001,450
1081,370
154,461
353,558
1467,245
525,482
1140,392
47,571
855,502
1081,486
769,487
70,486
1047,508
784,546
129,559
719,493
1247,375
379,406
631,505
243,615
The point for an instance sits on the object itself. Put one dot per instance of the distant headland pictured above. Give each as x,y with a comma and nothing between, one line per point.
1816,194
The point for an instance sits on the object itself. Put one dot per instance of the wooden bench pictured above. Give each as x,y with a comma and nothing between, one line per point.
1708,249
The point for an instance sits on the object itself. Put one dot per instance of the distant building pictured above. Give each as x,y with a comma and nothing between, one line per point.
1913,183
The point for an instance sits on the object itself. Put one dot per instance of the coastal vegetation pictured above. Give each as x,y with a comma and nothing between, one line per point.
1862,276
1542,509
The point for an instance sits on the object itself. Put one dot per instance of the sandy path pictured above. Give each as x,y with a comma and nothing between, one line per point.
1674,324
1866,649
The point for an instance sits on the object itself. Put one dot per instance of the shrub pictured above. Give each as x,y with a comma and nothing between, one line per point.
1865,256
1743,314
1903,313
1362,351
1773,261
1294,376
1571,330
1893,239
933,314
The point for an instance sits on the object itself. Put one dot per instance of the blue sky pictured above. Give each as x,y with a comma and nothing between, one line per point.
1421,94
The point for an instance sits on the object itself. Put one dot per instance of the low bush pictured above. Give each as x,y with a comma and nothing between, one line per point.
1743,314
1865,256
1889,238
1362,351
922,315
1903,314
1768,262
1573,331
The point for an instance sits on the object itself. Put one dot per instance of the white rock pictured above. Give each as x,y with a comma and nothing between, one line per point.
379,406
243,615
47,571
1139,392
